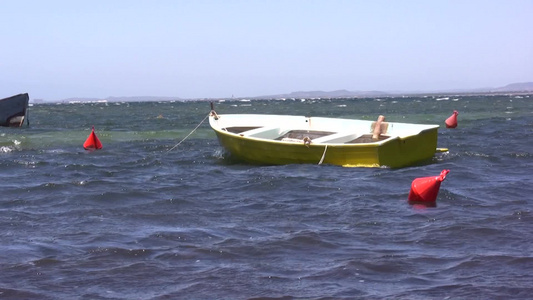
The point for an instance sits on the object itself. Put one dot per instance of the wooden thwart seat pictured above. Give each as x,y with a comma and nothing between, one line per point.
266,132
336,138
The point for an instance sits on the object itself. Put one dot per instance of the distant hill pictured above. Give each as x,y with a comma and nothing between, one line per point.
516,87
524,87
323,94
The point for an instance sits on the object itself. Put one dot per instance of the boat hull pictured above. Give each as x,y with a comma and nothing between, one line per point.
13,110
394,151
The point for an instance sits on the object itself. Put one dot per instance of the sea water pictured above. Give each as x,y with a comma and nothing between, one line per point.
162,212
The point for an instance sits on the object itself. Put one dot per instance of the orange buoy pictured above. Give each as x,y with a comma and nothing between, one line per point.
92,142
451,122
425,189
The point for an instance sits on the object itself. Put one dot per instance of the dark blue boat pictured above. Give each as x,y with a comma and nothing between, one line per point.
14,110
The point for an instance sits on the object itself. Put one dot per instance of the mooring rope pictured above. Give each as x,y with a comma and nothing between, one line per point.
189,133
323,155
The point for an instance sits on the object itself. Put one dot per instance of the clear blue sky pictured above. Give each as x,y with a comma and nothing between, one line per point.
215,49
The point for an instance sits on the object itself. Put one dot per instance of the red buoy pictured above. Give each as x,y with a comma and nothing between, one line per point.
92,142
425,189
451,122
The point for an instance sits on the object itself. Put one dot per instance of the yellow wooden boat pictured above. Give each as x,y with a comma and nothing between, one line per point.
285,139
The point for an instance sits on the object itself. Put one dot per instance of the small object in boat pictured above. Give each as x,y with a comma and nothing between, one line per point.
92,142
451,122
426,189
377,128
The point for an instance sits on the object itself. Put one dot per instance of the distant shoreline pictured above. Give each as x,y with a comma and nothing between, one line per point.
292,97
524,88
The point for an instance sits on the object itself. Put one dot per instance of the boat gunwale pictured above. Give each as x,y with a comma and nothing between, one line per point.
242,136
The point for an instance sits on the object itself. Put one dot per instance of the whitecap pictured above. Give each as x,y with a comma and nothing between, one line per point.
55,151
5,149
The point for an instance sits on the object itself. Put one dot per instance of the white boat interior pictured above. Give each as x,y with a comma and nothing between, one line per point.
318,130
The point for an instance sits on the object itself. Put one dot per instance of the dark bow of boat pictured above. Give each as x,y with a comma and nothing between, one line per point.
14,110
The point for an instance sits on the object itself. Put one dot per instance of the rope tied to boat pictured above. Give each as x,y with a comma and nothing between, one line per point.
197,126
307,141
214,114
323,155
